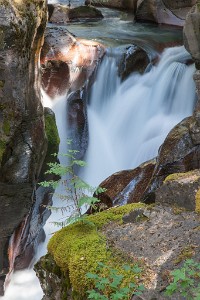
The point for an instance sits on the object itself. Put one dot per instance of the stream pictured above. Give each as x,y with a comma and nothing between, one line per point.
127,121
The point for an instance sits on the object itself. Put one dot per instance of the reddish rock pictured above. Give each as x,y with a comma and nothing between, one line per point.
68,63
127,186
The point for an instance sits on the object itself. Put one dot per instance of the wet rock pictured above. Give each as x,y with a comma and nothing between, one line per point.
180,152
52,279
22,132
121,4
77,121
63,14
55,78
64,55
163,12
84,12
57,44
180,189
135,59
31,233
127,186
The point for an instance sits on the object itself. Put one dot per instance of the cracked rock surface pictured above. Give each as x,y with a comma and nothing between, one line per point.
161,238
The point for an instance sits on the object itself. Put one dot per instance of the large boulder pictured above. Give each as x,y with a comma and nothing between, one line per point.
180,152
64,56
127,186
191,34
121,4
63,14
135,59
22,131
163,12
181,190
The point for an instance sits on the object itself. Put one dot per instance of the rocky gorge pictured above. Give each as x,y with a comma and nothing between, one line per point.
170,227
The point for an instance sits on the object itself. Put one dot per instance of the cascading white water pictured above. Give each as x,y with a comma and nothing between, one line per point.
129,121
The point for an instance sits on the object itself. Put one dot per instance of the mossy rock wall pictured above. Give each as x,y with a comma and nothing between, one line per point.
22,132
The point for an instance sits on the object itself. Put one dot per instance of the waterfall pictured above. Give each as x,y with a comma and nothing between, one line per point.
129,121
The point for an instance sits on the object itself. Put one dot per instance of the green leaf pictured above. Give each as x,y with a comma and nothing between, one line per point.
92,276
79,163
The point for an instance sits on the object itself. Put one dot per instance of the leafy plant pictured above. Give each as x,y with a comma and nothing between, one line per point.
186,281
110,285
76,190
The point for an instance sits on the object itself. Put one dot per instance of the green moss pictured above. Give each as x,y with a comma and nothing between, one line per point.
113,214
179,176
178,210
51,129
186,253
2,82
197,199
2,148
79,247
6,127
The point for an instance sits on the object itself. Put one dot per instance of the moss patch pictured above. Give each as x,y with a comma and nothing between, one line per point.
2,148
6,127
51,129
186,253
79,247
197,198
191,175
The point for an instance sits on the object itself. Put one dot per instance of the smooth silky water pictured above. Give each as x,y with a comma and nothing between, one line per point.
127,121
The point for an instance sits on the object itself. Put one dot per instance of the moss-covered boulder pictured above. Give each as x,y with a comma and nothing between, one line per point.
78,248
181,189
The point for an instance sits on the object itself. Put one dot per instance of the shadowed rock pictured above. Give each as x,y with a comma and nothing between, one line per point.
22,132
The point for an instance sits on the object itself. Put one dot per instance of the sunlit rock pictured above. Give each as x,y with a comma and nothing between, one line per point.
163,12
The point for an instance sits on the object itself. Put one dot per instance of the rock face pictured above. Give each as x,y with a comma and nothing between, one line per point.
180,152
33,233
192,33
163,11
127,186
22,132
75,60
180,189
64,55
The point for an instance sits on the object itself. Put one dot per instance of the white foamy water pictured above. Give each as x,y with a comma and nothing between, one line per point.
129,121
